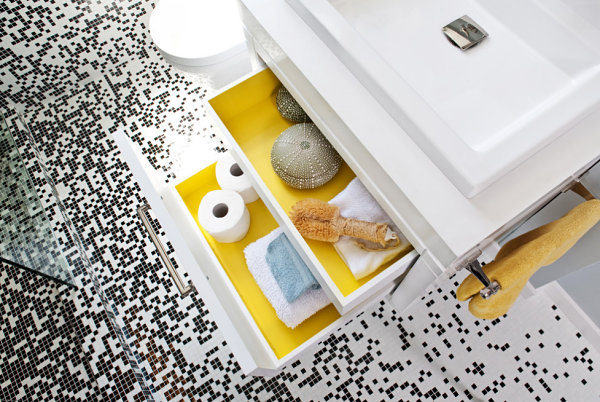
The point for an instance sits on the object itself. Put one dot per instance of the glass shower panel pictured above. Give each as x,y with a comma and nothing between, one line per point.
26,236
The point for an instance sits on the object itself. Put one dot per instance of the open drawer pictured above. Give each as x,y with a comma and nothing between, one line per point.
247,115
261,343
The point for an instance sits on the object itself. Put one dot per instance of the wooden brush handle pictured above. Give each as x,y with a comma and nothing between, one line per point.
373,232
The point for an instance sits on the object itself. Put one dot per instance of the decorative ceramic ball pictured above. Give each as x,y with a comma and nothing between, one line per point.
303,158
289,108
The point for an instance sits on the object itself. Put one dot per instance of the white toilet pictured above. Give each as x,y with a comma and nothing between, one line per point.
202,37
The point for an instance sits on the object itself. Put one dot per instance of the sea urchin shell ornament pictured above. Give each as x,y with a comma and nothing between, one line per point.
303,158
289,108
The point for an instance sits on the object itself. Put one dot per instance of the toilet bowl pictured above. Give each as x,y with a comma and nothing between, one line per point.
201,37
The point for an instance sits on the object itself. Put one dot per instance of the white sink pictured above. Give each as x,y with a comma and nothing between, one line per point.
476,113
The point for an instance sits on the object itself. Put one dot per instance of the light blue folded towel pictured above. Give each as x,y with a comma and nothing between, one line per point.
291,273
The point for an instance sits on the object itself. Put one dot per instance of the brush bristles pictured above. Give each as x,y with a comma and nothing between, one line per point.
311,208
316,230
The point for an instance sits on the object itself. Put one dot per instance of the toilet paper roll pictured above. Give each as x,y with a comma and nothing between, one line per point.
223,214
231,177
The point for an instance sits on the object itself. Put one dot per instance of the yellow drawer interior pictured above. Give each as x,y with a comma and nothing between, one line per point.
249,112
231,256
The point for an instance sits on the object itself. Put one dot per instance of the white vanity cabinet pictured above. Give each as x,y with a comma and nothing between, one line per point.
446,227
355,91
317,55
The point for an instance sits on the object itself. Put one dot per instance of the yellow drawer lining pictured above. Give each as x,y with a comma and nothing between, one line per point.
248,111
282,339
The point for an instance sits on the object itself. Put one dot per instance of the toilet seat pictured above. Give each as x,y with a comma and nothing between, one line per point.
197,32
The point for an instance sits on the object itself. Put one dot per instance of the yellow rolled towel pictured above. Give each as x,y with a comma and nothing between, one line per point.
521,257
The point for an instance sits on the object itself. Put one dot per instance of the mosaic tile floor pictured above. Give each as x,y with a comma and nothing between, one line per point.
40,351
101,73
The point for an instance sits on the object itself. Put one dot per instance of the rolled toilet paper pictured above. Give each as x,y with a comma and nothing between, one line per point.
231,177
223,214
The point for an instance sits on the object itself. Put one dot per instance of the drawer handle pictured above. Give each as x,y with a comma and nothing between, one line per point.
183,289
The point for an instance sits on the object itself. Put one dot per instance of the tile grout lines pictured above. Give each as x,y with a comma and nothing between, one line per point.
111,311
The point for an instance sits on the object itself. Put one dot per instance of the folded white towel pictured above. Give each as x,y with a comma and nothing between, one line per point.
356,202
292,314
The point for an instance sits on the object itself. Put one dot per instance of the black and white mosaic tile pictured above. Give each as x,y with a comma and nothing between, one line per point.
103,205
49,48
41,357
83,69
437,350
116,370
